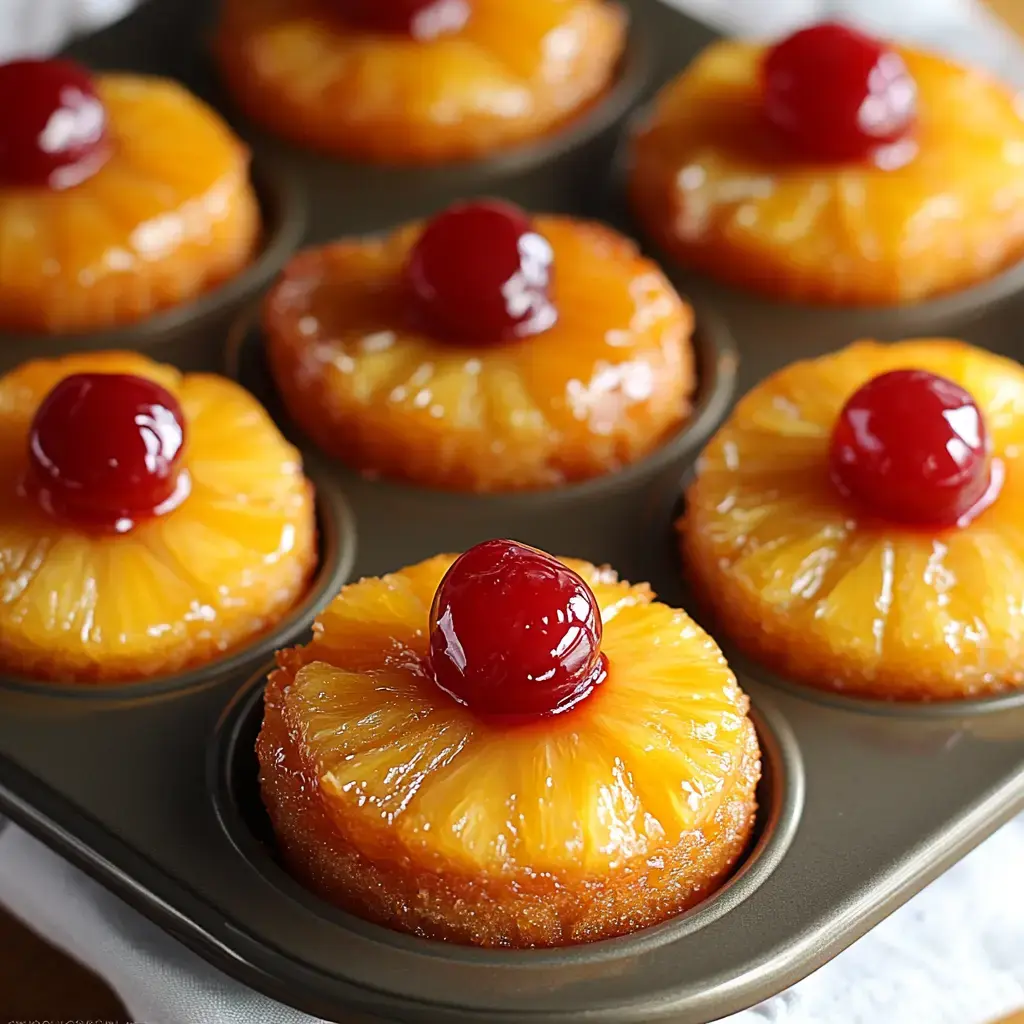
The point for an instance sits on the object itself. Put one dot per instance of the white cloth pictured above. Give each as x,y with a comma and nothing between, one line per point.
953,955
31,27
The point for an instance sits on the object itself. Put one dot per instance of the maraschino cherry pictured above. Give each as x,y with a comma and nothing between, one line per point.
480,274
420,19
514,633
53,127
837,94
105,451
912,447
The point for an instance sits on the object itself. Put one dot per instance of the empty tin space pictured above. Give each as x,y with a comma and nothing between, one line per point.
934,711
233,777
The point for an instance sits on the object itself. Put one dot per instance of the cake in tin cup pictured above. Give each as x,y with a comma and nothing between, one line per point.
506,749
484,351
152,522
853,525
832,168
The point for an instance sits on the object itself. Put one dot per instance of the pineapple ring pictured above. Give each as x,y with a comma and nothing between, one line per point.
394,802
720,192
600,390
505,78
169,216
178,590
831,598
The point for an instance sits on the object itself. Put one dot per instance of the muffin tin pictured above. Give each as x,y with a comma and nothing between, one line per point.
151,787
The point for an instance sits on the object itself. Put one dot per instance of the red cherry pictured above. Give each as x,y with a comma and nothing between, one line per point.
53,127
421,19
838,95
514,633
105,450
480,274
912,447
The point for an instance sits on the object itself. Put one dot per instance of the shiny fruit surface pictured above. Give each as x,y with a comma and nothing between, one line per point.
53,125
105,449
912,447
838,94
481,274
419,19
515,633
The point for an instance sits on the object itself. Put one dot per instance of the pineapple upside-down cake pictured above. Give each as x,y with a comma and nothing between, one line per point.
120,196
855,525
505,749
834,168
483,351
418,81
149,521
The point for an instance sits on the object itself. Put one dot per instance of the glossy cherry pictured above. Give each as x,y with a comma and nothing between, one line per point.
420,19
105,450
911,447
837,94
53,127
480,274
514,633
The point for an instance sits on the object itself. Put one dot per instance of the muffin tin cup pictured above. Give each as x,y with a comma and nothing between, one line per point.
337,543
555,173
152,787
455,520
369,955
777,332
937,711
191,336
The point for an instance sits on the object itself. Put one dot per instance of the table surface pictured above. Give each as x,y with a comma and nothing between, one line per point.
1012,13
40,983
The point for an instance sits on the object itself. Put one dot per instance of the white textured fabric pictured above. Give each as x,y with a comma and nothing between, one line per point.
32,27
953,955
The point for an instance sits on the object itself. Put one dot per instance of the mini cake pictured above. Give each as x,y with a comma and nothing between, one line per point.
832,168
505,749
484,351
119,196
418,81
149,522
855,526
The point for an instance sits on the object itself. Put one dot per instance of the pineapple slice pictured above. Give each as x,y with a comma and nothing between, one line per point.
822,593
169,216
508,76
720,192
391,800
600,389
177,590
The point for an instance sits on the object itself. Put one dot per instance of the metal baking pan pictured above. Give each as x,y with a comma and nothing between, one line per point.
151,788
